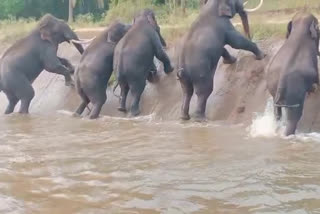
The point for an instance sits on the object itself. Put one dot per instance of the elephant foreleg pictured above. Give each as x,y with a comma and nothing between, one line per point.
152,75
67,64
238,41
227,57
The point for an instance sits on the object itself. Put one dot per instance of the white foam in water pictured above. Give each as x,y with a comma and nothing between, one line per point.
65,112
265,125
148,118
308,137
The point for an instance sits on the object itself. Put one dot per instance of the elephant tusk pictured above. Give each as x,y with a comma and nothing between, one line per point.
83,41
254,9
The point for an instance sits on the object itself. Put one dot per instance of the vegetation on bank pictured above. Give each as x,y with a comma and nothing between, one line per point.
174,16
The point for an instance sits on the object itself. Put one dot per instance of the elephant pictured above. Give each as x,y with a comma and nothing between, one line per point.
133,58
95,69
293,71
203,46
152,76
23,62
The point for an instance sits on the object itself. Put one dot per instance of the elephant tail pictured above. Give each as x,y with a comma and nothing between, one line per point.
114,90
280,99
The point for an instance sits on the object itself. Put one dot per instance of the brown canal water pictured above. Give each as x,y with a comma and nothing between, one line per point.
60,164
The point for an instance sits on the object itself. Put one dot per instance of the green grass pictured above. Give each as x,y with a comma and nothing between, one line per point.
174,23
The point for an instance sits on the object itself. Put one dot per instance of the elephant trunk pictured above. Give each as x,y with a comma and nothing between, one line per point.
245,23
73,37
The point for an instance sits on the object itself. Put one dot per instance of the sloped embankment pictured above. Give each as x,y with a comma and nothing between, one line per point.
239,92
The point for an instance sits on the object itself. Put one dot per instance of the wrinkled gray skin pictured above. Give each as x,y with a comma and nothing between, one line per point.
203,47
152,77
133,59
95,69
22,63
293,71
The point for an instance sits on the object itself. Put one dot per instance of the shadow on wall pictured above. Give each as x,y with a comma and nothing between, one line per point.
239,92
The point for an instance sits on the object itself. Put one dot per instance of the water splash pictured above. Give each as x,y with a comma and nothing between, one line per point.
265,125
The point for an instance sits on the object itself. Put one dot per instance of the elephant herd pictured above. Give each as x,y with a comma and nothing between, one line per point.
128,50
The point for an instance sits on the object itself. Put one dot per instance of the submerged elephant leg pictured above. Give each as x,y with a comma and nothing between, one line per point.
238,41
25,92
136,91
203,92
293,116
187,89
97,102
124,93
28,95
13,100
227,57
277,113
83,105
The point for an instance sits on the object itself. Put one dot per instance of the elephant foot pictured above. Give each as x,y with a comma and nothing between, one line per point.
122,109
185,117
93,117
134,112
230,60
70,83
76,115
260,55
153,77
199,118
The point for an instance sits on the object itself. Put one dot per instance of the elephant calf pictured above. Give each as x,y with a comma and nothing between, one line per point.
293,71
204,46
95,69
134,55
23,62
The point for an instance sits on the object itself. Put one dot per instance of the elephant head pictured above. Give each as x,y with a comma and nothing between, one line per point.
228,8
57,31
116,31
305,23
149,15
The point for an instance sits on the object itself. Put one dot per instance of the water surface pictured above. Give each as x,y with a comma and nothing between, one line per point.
60,164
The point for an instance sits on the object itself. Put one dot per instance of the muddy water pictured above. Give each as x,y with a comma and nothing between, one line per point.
59,164
53,163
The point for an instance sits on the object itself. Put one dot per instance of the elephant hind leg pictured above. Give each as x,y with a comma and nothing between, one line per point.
84,103
124,93
136,90
26,93
97,106
203,91
277,113
187,89
13,100
293,116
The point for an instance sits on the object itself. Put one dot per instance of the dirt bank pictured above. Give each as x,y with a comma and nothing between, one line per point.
239,92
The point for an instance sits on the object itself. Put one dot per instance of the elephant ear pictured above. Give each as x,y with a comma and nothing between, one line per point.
314,30
152,20
289,28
